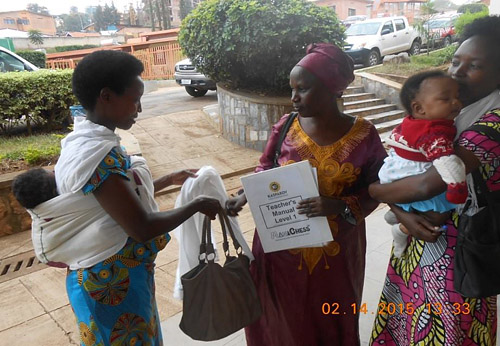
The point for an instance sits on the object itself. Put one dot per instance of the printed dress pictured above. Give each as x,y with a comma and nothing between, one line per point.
305,292
420,284
114,300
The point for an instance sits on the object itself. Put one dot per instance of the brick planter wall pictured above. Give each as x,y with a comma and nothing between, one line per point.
13,217
246,118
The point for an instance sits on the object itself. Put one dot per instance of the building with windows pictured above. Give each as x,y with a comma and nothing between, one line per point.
26,21
346,8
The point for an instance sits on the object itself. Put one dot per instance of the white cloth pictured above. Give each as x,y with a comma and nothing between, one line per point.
81,152
72,228
208,183
451,169
395,167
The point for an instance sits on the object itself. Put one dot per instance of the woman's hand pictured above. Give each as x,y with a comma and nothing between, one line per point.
235,204
416,225
208,206
179,177
320,206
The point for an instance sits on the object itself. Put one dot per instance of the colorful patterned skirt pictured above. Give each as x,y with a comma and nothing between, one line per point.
114,300
420,307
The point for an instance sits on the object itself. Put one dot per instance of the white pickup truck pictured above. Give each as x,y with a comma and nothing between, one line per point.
368,41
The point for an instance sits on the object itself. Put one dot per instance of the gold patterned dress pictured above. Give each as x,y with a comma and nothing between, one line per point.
307,293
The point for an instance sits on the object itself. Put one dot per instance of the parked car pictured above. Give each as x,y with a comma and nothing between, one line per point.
10,62
368,41
442,30
352,20
196,83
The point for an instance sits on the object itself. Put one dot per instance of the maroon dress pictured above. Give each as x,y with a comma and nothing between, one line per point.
307,293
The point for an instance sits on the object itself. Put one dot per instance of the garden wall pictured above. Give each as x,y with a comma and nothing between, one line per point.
246,118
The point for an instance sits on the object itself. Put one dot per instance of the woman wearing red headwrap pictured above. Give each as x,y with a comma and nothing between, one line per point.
295,284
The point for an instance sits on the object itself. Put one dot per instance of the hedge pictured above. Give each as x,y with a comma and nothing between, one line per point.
35,57
254,44
41,97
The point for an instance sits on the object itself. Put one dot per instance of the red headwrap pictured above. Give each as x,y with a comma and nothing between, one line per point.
330,65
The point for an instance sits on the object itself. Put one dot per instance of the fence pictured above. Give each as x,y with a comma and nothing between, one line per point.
159,57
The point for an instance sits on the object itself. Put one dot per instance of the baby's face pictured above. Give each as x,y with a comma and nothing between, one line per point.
437,99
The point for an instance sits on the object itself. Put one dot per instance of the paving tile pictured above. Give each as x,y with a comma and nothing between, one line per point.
162,169
146,141
238,160
198,130
18,304
215,143
169,135
211,160
376,265
40,331
152,124
65,318
15,244
169,254
158,155
167,304
185,118
48,286
186,149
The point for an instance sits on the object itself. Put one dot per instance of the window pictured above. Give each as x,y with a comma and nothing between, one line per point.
23,21
8,63
351,11
387,26
400,24
9,21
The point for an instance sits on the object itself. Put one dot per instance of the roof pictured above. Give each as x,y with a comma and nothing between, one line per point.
12,33
38,14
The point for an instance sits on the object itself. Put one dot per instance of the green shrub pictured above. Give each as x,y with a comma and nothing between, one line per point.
42,97
467,18
254,44
472,8
436,58
35,57
74,47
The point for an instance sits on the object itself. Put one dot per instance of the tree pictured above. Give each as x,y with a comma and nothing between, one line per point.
186,6
99,22
35,37
427,12
71,22
255,44
37,8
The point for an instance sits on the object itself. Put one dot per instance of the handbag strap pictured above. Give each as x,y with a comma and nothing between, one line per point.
226,226
206,246
283,132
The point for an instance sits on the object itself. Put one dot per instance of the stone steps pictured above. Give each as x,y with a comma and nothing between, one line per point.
384,116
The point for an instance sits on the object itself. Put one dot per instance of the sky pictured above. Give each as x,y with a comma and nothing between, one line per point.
62,6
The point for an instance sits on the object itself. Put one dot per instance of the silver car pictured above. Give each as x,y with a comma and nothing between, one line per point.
196,83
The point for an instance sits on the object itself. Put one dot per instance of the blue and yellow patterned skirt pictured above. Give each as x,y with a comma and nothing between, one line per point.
114,300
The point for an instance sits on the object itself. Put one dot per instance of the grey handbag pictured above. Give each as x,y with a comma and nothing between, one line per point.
218,300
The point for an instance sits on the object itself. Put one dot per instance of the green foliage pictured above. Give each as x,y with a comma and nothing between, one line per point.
41,97
35,37
35,57
35,8
467,18
32,149
74,47
254,44
472,8
436,58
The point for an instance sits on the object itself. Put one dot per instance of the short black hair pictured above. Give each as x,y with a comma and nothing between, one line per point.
105,68
487,27
411,86
34,187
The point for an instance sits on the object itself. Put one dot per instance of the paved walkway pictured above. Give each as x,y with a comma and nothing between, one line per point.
34,307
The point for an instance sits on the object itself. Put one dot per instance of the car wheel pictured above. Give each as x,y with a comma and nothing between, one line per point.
447,41
373,58
415,48
195,92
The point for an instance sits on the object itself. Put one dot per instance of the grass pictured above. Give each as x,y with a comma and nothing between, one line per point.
435,59
31,149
